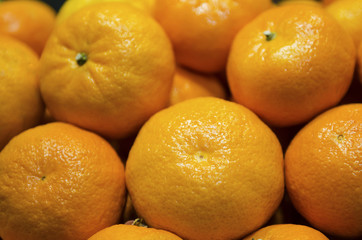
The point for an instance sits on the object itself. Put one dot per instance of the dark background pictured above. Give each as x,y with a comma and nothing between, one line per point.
55,3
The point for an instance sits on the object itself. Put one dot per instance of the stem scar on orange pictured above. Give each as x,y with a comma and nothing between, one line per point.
107,68
290,63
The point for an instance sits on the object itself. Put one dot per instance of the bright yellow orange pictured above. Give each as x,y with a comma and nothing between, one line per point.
349,14
323,169
29,21
130,232
202,31
287,232
21,104
188,84
71,6
107,68
290,63
205,168
59,182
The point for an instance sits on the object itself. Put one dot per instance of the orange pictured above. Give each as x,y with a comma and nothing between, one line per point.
58,181
327,2
287,232
130,232
71,6
188,84
107,68
349,14
205,168
29,21
290,63
202,31
323,169
21,104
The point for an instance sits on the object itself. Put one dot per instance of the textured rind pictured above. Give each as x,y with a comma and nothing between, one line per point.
240,173
129,69
306,69
59,182
129,232
324,171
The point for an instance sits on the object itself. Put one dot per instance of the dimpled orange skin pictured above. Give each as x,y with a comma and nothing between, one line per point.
202,31
306,68
287,232
59,182
126,78
71,6
323,167
130,232
205,168
349,14
188,84
21,104
29,21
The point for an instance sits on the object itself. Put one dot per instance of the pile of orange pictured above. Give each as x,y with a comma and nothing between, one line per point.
181,119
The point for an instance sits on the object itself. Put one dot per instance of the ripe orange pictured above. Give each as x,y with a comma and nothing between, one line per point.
21,105
131,232
107,68
202,31
349,14
205,168
29,21
71,6
59,182
323,167
188,84
290,63
287,232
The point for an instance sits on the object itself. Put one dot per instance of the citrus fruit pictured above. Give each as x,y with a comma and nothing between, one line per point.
131,232
205,168
107,68
71,6
29,21
291,63
323,169
58,181
202,31
287,232
21,104
349,14
188,84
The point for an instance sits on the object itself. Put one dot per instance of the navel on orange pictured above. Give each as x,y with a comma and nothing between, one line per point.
205,168
291,63
323,169
107,68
